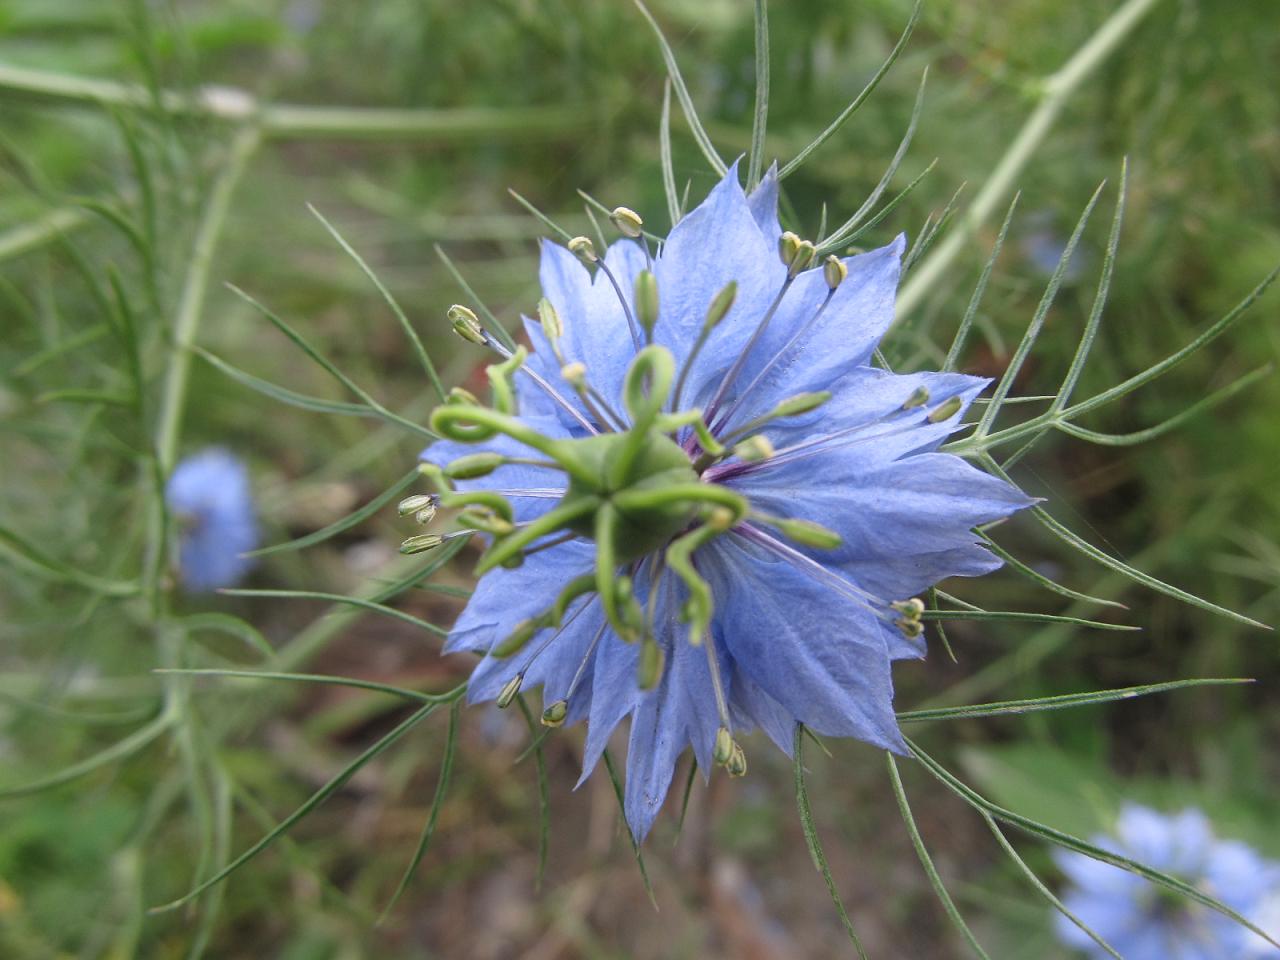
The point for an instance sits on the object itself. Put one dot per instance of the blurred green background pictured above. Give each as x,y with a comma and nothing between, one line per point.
103,193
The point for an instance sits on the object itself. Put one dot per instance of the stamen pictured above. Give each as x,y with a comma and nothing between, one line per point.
467,325
429,541
575,374
415,503
646,295
586,658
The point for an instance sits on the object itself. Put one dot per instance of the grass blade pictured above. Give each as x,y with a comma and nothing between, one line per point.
354,682
119,750
419,350
1099,299
437,801
1023,617
284,394
846,228
664,147
966,322
760,116
815,845
1039,886
1075,844
317,798
1033,574
1037,320
1060,702
231,626
342,598
1111,563
926,861
550,224
682,94
852,108
622,810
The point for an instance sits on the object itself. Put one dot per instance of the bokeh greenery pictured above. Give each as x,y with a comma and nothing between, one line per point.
101,212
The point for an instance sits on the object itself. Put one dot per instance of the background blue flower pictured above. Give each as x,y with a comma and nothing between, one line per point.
1145,922
209,496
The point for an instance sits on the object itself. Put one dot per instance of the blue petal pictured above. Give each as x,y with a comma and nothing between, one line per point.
718,242
750,707
681,710
926,504
763,201
817,653
505,597
596,332
804,351
209,492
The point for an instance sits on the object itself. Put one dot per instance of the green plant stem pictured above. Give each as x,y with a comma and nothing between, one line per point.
193,292
1055,91
294,121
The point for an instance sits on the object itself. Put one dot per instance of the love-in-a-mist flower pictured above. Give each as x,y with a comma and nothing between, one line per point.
1143,921
210,499
706,510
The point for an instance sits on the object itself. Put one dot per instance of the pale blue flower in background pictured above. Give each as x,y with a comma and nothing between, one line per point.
798,634
1143,921
210,498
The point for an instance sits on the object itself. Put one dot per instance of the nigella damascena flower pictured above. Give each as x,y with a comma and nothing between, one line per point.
708,512
1142,921
208,494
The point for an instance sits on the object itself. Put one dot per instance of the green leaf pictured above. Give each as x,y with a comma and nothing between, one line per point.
682,94
330,368
285,395
622,810
1177,420
1023,617
231,626
1037,321
119,750
353,682
1041,579
24,554
1060,702
1119,566
1099,299
437,802
852,108
352,519
342,598
760,114
939,888
419,350
815,844
317,798
544,793
664,148
842,232
546,221
966,322
1039,886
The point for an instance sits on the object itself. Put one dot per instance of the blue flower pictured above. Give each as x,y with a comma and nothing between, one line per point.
765,573
1142,921
208,494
